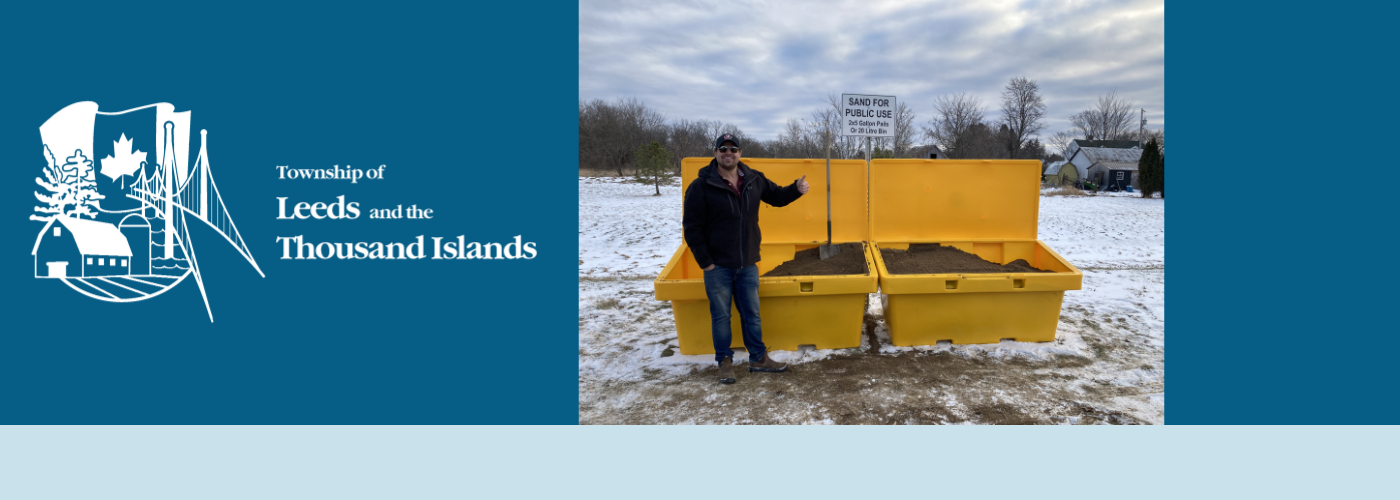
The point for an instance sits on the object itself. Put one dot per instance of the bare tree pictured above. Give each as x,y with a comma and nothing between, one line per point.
955,123
1059,143
641,125
606,137
824,124
714,128
807,138
1022,109
1111,118
903,140
592,121
842,146
850,146
609,133
793,141
1084,125
754,148
1117,116
686,139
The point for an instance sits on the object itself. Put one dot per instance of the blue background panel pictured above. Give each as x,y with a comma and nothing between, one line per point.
330,342
1281,214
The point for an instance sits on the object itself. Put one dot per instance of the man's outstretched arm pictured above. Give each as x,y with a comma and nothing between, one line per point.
780,196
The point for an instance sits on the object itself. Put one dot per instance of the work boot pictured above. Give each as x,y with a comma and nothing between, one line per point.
726,371
766,364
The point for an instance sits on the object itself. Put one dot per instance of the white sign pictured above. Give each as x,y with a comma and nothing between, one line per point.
867,115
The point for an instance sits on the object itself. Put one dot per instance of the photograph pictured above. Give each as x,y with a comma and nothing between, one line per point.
872,213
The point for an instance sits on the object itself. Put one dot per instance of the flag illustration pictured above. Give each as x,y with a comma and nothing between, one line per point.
118,195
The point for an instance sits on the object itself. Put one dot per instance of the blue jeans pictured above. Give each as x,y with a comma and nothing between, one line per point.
723,284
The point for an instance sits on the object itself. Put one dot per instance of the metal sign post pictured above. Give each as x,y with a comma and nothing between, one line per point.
828,250
865,115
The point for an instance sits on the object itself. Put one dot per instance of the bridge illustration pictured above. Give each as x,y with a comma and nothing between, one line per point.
151,250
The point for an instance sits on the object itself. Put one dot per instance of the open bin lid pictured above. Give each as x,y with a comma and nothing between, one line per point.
804,221
939,200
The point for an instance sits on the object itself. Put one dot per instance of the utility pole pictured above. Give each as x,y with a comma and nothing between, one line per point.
1142,116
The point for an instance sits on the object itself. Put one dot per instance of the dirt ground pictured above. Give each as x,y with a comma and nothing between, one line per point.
1100,370
935,259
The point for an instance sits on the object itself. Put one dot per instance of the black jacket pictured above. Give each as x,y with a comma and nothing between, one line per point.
722,228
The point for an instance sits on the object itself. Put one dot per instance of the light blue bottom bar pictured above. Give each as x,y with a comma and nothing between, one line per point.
690,462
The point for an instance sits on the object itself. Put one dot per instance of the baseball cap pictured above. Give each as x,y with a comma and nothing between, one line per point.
727,138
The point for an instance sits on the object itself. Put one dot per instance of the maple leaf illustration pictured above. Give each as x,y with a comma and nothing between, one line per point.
125,162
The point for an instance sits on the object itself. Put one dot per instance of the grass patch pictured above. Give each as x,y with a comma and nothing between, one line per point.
608,303
673,179
1066,191
615,277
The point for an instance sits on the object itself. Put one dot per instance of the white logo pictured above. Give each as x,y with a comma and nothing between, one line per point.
125,236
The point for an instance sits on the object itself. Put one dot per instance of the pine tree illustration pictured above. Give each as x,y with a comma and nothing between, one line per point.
71,184
55,185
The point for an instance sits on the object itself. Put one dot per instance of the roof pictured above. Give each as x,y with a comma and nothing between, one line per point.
92,237
1100,155
1118,165
926,149
1054,168
1085,143
1079,166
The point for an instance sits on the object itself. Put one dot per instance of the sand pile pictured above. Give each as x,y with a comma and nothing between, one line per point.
808,262
932,258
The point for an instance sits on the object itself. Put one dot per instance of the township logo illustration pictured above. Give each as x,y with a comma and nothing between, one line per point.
124,236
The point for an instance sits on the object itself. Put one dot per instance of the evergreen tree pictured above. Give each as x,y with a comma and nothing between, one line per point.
1149,171
653,163
73,183
1161,172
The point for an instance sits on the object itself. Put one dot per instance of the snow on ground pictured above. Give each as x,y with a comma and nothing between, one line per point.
1112,231
624,229
1105,366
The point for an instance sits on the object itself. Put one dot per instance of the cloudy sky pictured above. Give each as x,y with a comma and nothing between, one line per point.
758,63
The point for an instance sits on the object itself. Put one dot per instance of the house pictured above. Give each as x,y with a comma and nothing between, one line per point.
930,152
1085,143
1107,166
1115,176
77,247
1062,173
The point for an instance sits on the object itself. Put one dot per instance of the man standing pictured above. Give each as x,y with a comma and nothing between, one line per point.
721,229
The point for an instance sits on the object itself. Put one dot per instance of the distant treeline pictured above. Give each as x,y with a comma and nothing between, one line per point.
611,132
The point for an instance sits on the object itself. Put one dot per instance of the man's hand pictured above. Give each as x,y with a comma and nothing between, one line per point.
712,266
802,185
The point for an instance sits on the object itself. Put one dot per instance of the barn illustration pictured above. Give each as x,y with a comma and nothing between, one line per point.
117,220
77,247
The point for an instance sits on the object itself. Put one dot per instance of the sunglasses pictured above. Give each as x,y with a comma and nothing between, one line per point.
727,149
